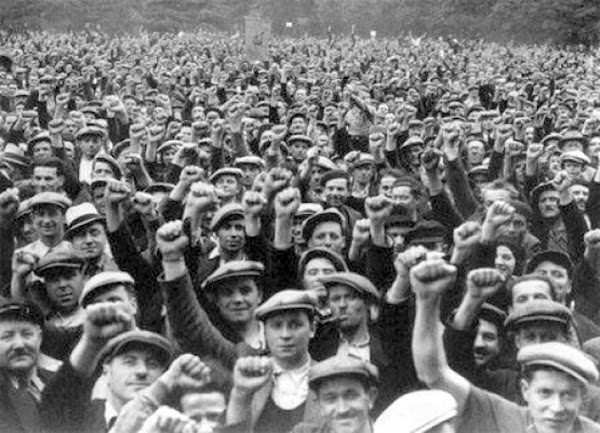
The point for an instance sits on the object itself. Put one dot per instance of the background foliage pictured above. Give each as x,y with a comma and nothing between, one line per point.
541,21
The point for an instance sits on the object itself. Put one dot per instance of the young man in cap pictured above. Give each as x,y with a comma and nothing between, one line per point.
336,191
21,380
90,140
228,182
48,175
552,371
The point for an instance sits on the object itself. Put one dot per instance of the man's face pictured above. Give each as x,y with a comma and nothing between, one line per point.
90,241
581,194
46,179
20,343
227,186
505,261
594,148
132,371
363,173
103,170
63,286
573,169
527,291
403,195
539,332
335,192
41,150
232,235
315,269
559,277
572,145
298,126
250,172
476,153
48,220
328,234
490,196
385,186
287,334
515,229
298,150
90,145
548,204
238,299
98,199
116,293
554,400
487,343
207,409
345,403
348,307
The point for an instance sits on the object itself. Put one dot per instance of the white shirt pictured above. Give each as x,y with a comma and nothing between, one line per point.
85,170
290,387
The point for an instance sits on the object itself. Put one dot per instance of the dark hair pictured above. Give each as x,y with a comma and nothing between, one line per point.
517,250
51,161
220,381
531,277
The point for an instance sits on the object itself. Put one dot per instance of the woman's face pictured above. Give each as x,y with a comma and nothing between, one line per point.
505,261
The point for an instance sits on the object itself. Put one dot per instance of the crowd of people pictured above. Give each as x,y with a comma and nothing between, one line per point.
347,236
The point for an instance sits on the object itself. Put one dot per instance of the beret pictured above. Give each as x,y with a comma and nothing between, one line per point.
52,198
138,337
21,310
103,279
250,160
80,216
556,257
321,252
308,209
229,171
313,221
355,281
225,212
58,259
538,310
562,357
417,412
334,174
90,130
575,156
342,365
233,269
426,231
287,300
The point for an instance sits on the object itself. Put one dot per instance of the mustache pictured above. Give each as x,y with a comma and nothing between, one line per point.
480,351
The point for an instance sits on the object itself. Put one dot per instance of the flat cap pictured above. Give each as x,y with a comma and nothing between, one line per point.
51,198
120,147
114,165
169,144
138,337
576,156
80,216
336,260
100,281
411,142
227,171
417,412
426,231
233,269
550,137
254,160
414,123
325,163
42,136
334,174
556,257
355,281
307,209
224,213
328,215
364,159
538,310
58,259
573,135
11,309
287,300
302,138
90,130
562,357
342,365
159,187
538,190
491,313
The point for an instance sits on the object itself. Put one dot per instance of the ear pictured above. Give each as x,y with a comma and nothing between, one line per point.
313,327
525,390
105,368
374,312
372,392
61,180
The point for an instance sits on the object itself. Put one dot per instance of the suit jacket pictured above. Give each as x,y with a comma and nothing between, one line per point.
19,413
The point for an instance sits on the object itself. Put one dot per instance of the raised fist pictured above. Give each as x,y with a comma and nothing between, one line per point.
191,174
535,151
432,278
137,131
378,208
117,192
277,179
23,263
409,258
499,213
106,320
467,235
251,373
143,204
562,181
592,247
9,203
393,129
172,241
167,420
361,232
202,196
254,202
187,372
287,202
430,159
484,282
55,126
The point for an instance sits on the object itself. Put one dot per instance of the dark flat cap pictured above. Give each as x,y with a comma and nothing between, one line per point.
355,281
342,366
538,310
121,342
233,269
287,300
224,213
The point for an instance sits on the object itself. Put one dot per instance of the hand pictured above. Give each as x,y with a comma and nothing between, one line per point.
62,100
106,320
499,213
137,131
361,232
172,241
9,203
187,372
376,141
432,278
116,192
236,114
409,258
562,181
287,203
313,153
277,179
143,204
483,283
451,143
202,197
23,263
430,160
514,147
55,126
278,132
393,130
254,203
191,174
378,209
251,373
535,151
592,248
467,235
168,420
157,133
218,132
